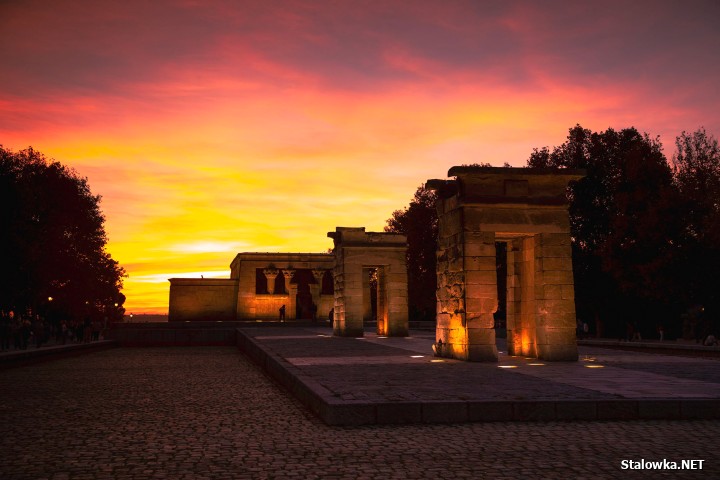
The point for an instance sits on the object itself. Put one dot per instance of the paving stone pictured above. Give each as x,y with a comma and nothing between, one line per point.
208,412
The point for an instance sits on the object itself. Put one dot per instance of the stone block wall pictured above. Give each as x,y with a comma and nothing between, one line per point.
355,252
199,299
527,210
251,305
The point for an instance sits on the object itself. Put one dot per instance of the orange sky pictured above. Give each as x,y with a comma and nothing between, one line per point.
211,128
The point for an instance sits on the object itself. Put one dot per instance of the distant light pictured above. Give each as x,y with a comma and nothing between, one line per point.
381,337
50,299
417,356
437,361
594,366
500,352
536,364
507,366
321,335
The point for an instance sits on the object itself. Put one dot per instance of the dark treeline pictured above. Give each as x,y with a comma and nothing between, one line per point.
645,231
52,247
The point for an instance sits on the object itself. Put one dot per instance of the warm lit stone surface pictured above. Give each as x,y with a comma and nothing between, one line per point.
356,251
196,299
206,413
526,210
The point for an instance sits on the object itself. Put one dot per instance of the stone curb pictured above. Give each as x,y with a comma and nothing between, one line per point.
335,411
32,355
667,348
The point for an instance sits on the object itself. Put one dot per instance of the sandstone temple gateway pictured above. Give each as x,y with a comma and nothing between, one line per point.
524,210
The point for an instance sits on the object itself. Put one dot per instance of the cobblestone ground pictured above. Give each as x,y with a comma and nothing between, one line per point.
207,413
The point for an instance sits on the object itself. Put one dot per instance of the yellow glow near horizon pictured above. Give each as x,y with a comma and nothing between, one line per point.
265,128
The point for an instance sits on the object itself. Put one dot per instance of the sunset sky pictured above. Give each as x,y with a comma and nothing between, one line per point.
216,127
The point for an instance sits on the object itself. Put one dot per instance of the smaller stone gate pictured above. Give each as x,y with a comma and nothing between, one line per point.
356,253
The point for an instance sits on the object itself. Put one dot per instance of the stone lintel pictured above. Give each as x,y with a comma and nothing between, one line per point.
358,237
527,186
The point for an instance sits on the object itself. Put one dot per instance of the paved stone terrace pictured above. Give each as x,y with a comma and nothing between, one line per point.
208,413
397,380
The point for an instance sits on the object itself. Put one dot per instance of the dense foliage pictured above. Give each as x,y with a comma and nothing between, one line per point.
625,225
420,223
52,249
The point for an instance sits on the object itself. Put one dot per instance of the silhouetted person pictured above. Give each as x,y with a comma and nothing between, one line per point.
331,316
5,331
313,311
282,313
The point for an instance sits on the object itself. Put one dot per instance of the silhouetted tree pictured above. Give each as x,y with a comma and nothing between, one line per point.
696,164
53,241
625,225
420,223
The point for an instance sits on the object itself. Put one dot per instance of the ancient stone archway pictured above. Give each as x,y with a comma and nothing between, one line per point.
526,209
356,252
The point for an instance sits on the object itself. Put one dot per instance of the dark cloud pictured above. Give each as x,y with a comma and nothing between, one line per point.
81,47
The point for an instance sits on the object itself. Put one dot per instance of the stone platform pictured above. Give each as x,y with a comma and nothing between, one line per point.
377,380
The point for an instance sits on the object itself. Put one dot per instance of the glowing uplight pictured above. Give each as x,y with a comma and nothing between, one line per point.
594,366
536,364
507,366
437,361
382,337
417,356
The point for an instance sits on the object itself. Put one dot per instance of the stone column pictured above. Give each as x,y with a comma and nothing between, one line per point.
513,298
315,288
525,331
367,303
271,274
290,310
382,303
481,297
555,294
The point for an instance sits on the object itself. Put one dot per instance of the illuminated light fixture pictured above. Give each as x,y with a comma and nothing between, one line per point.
594,366
437,361
507,366
381,337
417,356
500,352
50,299
321,335
536,364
